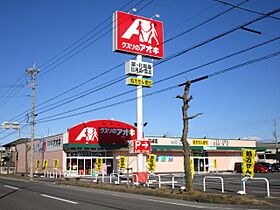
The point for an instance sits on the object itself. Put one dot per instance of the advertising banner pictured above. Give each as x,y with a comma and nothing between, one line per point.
55,164
122,162
45,165
137,35
37,165
152,163
99,164
248,162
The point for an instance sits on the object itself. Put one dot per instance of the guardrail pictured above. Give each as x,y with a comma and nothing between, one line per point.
159,180
213,177
125,176
52,174
257,178
7,170
118,178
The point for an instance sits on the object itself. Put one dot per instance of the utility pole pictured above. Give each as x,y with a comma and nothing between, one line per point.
32,72
184,139
276,139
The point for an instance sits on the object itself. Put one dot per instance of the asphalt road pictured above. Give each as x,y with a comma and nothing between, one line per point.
19,194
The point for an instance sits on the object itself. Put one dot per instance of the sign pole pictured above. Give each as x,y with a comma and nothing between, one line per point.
139,118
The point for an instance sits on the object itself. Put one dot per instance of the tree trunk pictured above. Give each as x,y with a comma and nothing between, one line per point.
186,146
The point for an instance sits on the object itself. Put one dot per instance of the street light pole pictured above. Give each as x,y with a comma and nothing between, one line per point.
276,139
32,72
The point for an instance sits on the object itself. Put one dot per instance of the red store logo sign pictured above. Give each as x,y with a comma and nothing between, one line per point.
103,132
138,35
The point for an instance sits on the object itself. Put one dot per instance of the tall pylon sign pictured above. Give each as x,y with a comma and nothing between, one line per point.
139,36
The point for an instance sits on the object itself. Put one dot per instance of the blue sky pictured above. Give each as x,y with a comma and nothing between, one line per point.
238,104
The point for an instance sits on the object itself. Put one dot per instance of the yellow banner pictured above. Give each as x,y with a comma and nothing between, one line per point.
45,165
122,162
152,162
248,162
139,81
55,164
98,164
37,165
215,164
201,142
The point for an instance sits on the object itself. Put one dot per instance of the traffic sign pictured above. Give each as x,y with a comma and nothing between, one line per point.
142,146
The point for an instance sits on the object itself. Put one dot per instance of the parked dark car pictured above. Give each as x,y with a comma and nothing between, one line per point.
268,165
258,168
276,167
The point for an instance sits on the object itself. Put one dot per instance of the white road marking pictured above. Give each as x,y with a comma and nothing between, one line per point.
11,187
60,199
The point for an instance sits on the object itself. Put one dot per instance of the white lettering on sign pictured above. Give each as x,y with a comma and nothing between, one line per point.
117,131
220,142
140,48
89,133
142,146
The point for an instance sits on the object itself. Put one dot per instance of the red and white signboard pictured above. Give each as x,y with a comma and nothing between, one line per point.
137,35
142,146
102,132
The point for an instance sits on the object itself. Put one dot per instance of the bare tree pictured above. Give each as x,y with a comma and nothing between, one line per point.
186,145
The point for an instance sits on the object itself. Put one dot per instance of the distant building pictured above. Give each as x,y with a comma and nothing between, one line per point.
271,154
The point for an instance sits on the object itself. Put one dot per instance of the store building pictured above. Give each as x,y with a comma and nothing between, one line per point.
96,147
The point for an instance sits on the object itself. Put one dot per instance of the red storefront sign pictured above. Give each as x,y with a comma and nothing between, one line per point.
103,132
137,35
142,146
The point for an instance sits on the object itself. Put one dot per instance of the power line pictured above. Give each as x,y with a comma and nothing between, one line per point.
93,90
214,38
244,9
84,36
206,21
193,29
13,91
166,89
86,46
218,36
121,64
219,59
169,77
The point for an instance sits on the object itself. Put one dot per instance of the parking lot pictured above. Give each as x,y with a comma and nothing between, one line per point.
232,184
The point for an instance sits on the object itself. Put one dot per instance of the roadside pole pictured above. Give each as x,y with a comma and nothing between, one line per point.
32,72
139,119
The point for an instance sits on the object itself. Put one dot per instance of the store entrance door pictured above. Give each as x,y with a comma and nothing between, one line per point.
201,164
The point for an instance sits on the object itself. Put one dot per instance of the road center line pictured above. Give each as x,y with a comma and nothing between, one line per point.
11,187
60,199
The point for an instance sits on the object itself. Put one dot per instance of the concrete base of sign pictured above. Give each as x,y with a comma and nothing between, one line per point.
141,177
241,192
